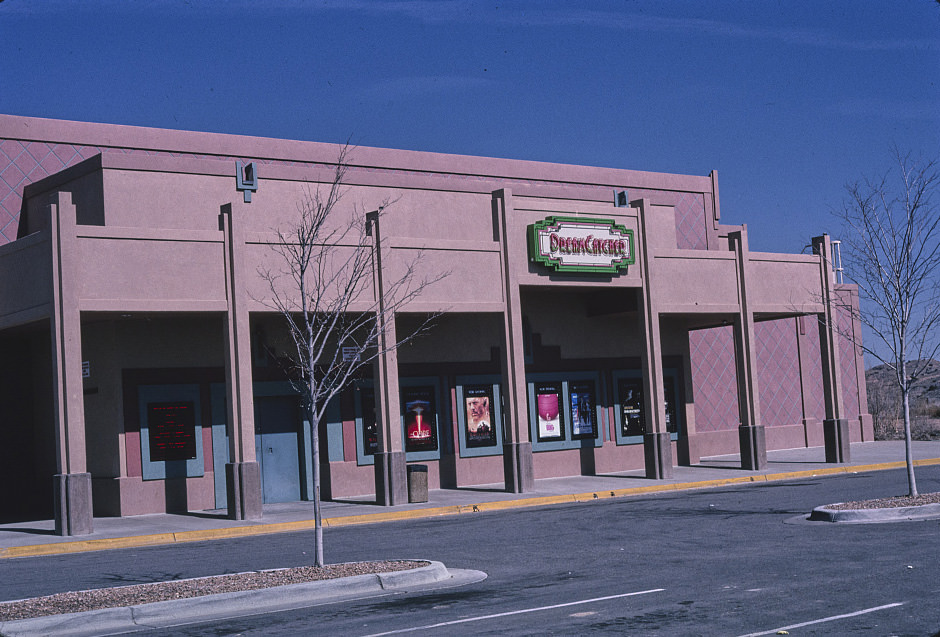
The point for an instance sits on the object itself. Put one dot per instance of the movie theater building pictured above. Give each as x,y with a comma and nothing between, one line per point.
591,321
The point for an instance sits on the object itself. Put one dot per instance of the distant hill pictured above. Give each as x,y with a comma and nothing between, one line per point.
884,403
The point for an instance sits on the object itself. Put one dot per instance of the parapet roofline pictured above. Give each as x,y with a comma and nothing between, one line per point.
356,176
272,149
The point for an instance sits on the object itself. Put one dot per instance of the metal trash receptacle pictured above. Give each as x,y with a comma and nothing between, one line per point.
417,483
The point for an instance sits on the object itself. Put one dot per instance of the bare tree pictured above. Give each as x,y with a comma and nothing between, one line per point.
328,286
892,251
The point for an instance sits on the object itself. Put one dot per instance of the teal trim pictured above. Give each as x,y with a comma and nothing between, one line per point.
163,469
496,416
670,376
220,445
569,441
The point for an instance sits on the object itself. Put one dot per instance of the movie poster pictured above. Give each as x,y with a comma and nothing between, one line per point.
548,405
420,419
632,422
478,401
370,429
582,409
172,431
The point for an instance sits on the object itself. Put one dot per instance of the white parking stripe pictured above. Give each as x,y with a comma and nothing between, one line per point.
774,631
515,612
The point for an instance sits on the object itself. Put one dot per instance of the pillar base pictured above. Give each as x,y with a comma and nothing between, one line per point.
688,449
657,449
753,447
836,435
243,484
391,479
73,508
517,467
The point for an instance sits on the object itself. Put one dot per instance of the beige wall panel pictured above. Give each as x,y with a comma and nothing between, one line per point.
263,258
695,281
784,284
167,271
546,207
166,200
473,277
434,215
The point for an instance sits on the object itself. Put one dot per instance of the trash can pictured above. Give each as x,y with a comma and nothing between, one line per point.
417,483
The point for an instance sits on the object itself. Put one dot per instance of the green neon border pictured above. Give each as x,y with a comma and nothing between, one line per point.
536,257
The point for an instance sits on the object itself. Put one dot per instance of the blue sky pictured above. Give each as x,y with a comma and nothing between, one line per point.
787,100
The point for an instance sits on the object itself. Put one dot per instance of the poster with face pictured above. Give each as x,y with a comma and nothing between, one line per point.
478,402
172,431
632,422
548,408
420,419
582,409
370,431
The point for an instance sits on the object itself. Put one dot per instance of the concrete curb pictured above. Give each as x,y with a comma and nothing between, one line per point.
893,514
134,541
228,605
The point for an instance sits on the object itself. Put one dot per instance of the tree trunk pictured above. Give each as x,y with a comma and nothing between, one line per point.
908,451
318,520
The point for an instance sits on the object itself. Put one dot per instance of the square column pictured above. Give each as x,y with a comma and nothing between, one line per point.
836,425
72,486
391,477
751,435
517,447
242,474
657,444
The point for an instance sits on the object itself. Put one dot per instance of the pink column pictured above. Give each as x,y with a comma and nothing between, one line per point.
657,446
750,433
242,474
517,450
73,498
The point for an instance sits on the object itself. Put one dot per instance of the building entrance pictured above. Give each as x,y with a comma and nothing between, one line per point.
278,444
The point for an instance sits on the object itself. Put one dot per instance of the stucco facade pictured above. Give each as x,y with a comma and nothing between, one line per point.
129,285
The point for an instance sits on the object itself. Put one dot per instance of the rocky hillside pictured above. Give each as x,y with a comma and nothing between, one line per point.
884,403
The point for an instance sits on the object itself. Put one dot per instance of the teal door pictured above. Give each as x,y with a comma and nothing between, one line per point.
277,445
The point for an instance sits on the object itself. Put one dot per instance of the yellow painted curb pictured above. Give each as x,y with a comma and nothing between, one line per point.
203,535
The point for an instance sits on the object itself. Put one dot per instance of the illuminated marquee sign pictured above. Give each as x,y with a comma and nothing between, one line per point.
579,244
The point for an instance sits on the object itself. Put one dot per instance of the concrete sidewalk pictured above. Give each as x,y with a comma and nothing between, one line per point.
25,539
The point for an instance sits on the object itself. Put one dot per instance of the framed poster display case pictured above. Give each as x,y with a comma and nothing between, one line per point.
630,409
420,411
170,431
564,410
479,416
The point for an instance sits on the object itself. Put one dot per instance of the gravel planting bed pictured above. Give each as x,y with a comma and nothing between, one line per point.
887,503
95,599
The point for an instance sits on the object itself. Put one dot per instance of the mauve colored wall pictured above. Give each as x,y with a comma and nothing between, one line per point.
24,160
